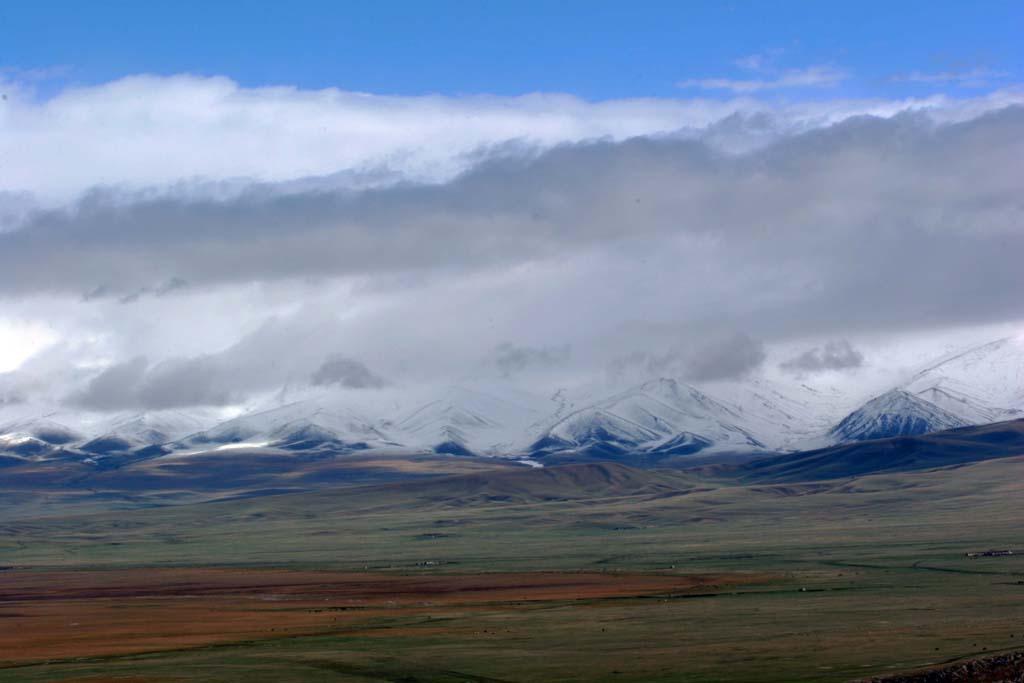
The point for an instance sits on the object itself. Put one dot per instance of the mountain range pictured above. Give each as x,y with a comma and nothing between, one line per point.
657,420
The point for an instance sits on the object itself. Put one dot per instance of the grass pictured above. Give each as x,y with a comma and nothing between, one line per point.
858,577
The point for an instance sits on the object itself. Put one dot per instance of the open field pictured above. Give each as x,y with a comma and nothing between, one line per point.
76,614
618,575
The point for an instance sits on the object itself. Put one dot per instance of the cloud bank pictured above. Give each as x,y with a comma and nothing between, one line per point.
706,357
184,133
871,221
540,236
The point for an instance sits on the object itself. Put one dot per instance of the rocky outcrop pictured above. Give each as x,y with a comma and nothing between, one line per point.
1008,668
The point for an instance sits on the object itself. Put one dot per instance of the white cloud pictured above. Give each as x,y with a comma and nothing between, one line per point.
183,134
818,76
972,78
150,130
758,60
21,339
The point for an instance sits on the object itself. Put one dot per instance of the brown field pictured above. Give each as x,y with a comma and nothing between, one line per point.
48,615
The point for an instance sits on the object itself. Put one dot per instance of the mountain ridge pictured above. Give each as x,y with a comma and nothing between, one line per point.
657,419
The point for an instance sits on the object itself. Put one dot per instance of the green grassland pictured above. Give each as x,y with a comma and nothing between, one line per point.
854,577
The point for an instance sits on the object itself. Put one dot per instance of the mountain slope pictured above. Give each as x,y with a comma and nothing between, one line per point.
982,384
158,427
894,413
98,434
469,420
302,425
645,424
36,437
783,416
897,454
660,414
575,481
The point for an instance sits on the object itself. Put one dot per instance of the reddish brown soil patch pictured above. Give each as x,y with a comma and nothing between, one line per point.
115,679
61,614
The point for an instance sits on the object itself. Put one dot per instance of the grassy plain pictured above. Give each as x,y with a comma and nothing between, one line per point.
673,578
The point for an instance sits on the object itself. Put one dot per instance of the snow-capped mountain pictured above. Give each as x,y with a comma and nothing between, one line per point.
100,433
983,384
470,420
126,433
979,385
894,413
660,417
36,437
159,427
322,421
662,413
783,416
43,429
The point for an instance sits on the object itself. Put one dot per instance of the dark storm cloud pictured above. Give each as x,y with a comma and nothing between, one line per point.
113,388
868,224
173,383
278,353
834,355
513,359
728,358
718,357
203,380
346,372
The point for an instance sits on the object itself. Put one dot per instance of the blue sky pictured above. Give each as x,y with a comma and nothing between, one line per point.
596,50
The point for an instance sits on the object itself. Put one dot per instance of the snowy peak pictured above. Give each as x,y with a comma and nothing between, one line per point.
99,434
654,413
36,438
782,416
297,426
591,426
663,416
895,413
982,384
468,420
965,405
44,430
156,428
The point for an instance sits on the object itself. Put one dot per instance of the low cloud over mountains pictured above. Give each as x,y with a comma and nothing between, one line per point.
833,355
563,252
